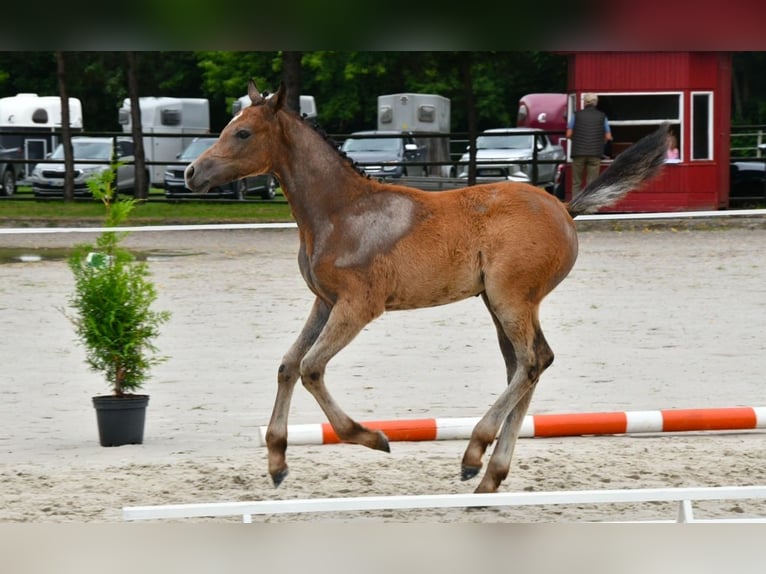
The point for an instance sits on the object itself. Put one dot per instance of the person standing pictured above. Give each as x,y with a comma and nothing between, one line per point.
588,131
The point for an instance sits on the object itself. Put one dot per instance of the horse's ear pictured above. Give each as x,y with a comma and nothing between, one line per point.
252,91
278,99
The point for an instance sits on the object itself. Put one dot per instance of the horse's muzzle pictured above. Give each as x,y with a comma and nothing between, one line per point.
193,180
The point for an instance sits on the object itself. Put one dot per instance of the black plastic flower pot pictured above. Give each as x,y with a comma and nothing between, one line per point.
120,419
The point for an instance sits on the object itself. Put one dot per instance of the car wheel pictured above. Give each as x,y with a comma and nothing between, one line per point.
271,188
9,182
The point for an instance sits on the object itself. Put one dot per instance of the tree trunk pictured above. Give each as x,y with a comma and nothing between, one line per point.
66,131
291,75
141,189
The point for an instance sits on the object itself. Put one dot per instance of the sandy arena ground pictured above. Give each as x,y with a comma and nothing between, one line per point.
648,319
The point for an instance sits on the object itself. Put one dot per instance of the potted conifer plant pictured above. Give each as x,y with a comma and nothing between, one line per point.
114,319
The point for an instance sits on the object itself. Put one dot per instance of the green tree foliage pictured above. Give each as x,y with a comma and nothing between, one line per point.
346,84
749,88
113,299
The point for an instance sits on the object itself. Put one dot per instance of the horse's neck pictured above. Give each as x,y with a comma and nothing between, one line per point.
314,177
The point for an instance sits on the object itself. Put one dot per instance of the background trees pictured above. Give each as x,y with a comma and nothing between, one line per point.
346,84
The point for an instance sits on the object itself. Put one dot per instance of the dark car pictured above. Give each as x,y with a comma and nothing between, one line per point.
385,153
263,186
747,182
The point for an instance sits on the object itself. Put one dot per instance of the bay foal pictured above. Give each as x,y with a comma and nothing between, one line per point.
368,247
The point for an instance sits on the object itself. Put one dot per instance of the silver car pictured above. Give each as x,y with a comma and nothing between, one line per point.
508,153
47,179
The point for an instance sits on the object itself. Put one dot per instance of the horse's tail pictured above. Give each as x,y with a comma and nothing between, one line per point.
636,165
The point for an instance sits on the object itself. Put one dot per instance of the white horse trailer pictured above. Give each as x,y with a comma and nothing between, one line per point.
307,104
426,117
168,126
32,123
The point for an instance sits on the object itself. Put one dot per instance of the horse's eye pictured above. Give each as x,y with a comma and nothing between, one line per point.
243,134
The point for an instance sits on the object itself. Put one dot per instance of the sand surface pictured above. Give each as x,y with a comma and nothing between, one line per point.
648,319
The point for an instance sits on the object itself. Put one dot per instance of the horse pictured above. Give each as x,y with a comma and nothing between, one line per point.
367,247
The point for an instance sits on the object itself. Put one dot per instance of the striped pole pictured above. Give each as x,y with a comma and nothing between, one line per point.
574,424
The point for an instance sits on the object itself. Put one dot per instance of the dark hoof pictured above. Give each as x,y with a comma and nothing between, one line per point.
468,472
382,443
278,477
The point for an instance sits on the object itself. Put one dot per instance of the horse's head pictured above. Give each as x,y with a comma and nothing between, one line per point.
244,147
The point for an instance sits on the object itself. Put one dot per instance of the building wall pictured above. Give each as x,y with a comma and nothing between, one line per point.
696,185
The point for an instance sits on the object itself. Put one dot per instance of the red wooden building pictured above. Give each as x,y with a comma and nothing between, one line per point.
640,90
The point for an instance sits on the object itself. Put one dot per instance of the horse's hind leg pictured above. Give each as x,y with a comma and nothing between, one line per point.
289,371
345,323
500,461
526,355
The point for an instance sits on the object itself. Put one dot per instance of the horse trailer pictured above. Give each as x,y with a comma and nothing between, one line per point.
427,118
307,104
32,124
546,111
168,126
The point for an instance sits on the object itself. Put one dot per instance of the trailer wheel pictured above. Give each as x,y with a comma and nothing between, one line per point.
9,182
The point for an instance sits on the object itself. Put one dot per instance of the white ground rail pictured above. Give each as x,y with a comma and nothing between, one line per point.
683,496
290,225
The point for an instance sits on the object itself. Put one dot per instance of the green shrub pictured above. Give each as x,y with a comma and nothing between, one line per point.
113,298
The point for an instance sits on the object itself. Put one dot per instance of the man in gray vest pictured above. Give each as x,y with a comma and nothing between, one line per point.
588,130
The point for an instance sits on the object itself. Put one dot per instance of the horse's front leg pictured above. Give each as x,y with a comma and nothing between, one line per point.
347,319
289,371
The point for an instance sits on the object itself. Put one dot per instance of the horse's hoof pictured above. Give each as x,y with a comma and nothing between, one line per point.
468,472
382,443
278,477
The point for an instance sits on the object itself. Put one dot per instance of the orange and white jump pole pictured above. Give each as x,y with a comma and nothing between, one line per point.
548,425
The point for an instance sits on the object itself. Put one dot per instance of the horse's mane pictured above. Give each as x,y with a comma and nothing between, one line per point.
334,145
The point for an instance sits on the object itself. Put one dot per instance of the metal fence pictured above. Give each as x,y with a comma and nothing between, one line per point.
747,142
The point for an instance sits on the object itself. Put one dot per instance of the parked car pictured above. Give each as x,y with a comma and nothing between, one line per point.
507,153
47,179
385,153
747,182
10,173
264,186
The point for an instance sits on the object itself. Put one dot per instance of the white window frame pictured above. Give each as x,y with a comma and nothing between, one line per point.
677,120
684,148
710,154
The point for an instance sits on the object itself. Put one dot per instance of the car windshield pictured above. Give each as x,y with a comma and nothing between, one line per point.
505,141
86,150
372,144
196,148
